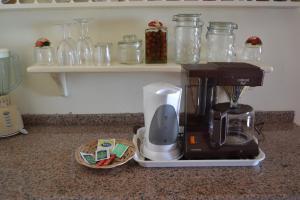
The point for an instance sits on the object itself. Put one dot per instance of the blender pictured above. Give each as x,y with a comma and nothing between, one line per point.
216,130
11,121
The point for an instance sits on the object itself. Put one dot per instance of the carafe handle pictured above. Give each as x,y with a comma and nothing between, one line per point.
219,129
202,94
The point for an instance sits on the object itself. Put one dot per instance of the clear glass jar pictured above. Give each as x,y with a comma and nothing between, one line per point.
130,50
156,45
252,51
221,41
44,55
102,54
187,38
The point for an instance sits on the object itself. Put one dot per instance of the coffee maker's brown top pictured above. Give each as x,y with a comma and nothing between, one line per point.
227,73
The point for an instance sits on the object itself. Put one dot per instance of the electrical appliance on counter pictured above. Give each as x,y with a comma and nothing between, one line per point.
11,121
161,114
219,130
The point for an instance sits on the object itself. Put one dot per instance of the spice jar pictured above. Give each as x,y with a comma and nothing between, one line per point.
221,41
187,38
252,51
44,53
156,43
130,50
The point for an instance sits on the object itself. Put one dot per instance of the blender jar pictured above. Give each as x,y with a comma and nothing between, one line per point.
187,38
220,41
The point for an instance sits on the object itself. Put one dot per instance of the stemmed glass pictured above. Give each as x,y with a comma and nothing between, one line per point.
84,44
66,51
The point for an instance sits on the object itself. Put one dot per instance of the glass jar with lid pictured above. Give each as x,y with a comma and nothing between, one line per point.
156,43
130,50
187,38
221,41
252,51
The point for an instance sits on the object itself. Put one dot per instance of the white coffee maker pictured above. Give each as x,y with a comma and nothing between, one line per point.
161,115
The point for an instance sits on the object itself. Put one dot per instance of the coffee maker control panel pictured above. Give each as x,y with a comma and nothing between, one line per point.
194,139
226,73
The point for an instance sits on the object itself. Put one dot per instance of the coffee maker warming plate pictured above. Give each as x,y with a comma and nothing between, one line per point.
139,137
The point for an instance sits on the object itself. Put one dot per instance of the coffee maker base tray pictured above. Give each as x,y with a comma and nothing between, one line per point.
137,141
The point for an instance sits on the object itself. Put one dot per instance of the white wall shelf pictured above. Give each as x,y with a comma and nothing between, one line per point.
58,73
151,3
170,67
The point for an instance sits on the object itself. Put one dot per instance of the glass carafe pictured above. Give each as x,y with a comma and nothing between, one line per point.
187,38
231,126
220,42
240,125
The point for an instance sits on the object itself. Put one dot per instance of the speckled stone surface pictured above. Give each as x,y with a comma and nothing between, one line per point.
132,118
41,165
83,119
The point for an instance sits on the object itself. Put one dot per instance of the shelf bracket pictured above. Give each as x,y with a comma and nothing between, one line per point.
61,81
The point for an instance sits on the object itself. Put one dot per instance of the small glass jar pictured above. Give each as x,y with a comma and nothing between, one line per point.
187,38
156,44
252,51
102,54
130,50
44,55
221,41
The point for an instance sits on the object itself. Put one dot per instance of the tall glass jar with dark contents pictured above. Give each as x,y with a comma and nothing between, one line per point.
156,43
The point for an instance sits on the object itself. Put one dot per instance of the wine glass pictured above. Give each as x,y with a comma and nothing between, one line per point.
84,47
66,51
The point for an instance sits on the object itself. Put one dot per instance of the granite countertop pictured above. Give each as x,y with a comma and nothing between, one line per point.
41,165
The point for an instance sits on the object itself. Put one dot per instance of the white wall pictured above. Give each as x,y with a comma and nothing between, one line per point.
117,93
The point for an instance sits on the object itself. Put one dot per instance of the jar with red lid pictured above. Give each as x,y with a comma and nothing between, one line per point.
156,43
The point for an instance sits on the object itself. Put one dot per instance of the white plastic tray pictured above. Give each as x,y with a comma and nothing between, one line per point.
191,163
